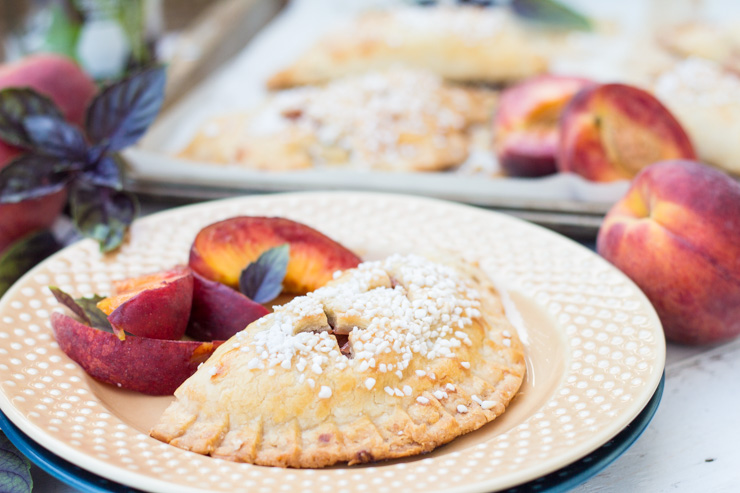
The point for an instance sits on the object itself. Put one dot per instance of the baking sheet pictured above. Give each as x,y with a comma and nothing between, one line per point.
609,54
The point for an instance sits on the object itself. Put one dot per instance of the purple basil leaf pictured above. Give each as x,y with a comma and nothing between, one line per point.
95,153
15,469
31,176
102,213
106,172
85,308
262,280
120,114
550,12
17,104
23,254
52,136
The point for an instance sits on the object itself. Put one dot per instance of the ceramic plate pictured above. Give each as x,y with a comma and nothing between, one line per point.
559,481
594,347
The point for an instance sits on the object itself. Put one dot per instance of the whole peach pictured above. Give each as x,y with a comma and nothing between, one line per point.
71,89
612,131
526,130
676,233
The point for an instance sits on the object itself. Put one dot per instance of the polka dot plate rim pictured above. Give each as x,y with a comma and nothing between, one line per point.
595,350
558,481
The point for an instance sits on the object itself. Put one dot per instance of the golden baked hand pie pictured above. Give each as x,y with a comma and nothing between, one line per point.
398,120
714,42
458,43
390,359
705,97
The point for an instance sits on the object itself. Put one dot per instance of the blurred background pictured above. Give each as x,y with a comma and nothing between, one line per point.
108,38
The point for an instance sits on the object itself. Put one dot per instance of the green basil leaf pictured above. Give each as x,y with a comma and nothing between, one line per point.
550,12
64,30
24,254
85,308
102,213
17,104
97,317
69,301
262,280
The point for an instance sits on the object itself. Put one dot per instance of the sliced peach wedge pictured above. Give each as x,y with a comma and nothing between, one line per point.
526,130
155,305
223,250
219,311
612,131
150,366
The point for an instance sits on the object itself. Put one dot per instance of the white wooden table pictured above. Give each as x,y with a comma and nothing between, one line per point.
693,442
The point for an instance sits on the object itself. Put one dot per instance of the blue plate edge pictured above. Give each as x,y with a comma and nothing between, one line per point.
624,439
56,466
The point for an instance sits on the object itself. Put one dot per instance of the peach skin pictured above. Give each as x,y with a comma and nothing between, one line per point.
150,366
610,132
154,306
676,234
222,250
525,128
219,311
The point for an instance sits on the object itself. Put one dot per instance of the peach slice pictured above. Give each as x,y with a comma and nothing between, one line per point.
612,131
156,305
222,250
526,130
150,366
676,234
219,311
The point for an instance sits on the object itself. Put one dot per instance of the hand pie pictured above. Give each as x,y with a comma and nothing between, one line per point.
458,43
391,359
398,120
705,98
718,43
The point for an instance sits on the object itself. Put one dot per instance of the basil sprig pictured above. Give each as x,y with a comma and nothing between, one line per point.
85,162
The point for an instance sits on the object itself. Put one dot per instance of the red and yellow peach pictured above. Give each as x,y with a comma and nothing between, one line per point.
222,250
526,126
676,234
612,131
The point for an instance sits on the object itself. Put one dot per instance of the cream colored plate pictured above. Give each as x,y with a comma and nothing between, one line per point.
595,351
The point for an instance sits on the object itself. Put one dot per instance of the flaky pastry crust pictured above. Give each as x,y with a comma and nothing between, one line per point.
431,356
460,44
396,120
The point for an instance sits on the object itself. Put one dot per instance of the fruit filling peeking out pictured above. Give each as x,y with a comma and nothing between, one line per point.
343,343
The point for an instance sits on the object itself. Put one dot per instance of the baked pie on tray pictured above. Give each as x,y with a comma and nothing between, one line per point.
390,359
393,120
462,44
